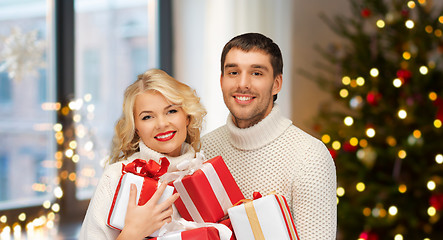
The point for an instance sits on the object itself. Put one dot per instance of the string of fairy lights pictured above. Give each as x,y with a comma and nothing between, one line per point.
81,110
364,152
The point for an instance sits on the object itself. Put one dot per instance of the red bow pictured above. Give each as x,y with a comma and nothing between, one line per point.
256,195
150,169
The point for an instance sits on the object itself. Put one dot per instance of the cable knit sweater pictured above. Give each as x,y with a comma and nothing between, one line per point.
274,155
94,225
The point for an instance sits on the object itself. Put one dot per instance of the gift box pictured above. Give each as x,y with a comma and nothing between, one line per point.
228,224
206,195
264,218
204,233
145,177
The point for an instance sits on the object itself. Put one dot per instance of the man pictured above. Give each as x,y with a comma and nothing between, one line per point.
262,149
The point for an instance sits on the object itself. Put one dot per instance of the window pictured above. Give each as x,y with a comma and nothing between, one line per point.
5,88
42,86
27,169
4,167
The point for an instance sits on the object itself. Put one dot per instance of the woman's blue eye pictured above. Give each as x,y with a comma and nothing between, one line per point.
172,111
146,117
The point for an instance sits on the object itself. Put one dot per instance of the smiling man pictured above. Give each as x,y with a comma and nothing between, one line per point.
249,84
264,151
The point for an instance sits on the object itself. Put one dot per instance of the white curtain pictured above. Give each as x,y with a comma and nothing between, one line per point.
202,28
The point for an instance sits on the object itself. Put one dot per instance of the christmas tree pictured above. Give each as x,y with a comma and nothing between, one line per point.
384,130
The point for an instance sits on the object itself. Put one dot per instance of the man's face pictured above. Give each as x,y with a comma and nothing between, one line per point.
248,86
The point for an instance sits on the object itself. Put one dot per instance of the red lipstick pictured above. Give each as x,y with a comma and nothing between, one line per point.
166,136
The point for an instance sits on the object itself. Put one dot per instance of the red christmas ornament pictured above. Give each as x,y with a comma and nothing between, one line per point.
439,103
436,201
365,12
347,147
316,127
368,236
405,13
404,75
440,48
333,153
373,97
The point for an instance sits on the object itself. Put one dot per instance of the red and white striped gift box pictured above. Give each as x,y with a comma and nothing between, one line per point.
204,233
206,195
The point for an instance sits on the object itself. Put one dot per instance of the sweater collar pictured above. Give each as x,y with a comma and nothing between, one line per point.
187,152
261,133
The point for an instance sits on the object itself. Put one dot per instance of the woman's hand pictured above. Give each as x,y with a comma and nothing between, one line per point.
141,221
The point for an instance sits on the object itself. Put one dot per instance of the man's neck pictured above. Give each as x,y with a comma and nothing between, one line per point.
246,123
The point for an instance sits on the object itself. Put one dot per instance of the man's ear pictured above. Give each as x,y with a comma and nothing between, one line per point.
278,82
221,78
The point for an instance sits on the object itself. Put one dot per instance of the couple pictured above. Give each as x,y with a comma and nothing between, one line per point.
261,148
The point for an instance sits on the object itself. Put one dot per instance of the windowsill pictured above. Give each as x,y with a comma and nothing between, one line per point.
65,231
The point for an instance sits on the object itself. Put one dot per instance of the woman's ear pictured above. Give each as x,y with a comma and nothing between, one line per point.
188,120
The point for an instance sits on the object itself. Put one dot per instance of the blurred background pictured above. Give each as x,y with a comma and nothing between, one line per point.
364,76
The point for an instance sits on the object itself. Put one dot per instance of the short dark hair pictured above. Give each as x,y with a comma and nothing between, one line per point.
256,41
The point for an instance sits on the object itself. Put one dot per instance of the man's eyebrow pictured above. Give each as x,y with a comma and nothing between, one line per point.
260,67
228,65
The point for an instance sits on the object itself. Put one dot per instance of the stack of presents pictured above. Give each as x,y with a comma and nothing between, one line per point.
211,204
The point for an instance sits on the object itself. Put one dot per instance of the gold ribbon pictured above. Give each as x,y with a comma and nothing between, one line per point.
253,221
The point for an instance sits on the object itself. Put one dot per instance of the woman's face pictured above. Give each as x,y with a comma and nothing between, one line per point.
160,124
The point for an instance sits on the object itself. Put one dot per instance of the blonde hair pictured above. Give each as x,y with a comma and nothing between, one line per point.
125,141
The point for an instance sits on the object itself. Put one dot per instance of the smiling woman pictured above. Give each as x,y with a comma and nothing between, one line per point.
161,126
161,117
166,99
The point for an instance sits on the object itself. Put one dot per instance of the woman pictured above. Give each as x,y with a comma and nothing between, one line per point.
161,117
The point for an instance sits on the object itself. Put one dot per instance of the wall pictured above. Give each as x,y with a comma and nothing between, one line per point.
201,28
310,30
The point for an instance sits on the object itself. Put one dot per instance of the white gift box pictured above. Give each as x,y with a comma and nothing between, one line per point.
117,214
267,218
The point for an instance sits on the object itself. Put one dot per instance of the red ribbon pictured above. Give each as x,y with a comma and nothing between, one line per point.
151,172
256,195
149,169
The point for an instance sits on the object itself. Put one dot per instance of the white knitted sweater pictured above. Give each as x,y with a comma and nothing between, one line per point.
94,225
274,155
